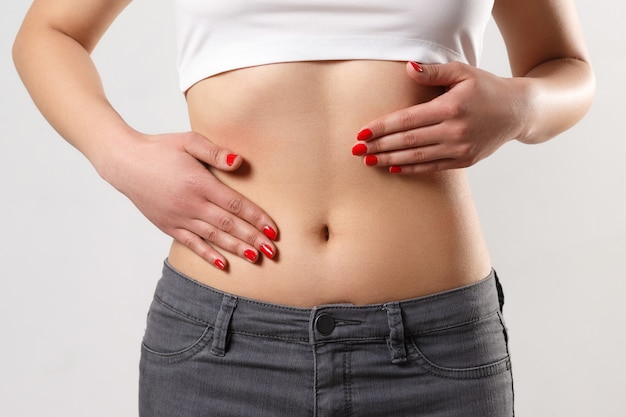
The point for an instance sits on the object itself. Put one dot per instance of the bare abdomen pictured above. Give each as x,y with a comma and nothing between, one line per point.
348,233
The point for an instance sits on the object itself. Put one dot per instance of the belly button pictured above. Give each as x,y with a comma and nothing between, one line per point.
326,233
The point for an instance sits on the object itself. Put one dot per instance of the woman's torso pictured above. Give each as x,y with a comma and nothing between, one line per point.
348,233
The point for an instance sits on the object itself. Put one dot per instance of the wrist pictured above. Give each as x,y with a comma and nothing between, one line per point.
109,155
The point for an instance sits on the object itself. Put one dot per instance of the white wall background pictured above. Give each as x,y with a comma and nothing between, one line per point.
79,262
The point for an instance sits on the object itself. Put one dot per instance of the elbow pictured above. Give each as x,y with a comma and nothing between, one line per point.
18,50
590,87
23,50
585,92
561,100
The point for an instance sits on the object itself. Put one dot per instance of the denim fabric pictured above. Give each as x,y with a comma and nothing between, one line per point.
207,353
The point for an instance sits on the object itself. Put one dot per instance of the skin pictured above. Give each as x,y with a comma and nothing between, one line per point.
395,221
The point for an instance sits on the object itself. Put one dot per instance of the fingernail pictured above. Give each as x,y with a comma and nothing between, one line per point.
250,254
364,134
267,250
270,232
220,264
230,159
359,149
394,169
417,66
371,160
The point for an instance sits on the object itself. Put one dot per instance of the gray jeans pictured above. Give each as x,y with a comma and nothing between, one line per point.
208,353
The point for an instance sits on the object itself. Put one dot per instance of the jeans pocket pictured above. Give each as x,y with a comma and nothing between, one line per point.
466,351
172,336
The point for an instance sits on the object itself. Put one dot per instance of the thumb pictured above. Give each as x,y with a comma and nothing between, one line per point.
211,154
437,75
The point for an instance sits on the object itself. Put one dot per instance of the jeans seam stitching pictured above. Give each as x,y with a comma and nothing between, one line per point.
453,326
347,375
183,355
476,372
179,312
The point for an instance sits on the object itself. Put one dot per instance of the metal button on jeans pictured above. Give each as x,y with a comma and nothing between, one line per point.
325,324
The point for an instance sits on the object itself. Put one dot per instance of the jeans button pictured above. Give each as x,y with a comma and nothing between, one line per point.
325,324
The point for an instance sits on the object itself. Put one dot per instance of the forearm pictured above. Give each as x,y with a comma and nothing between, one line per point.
555,96
64,83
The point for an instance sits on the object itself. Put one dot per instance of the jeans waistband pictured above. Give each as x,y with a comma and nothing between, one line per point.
327,323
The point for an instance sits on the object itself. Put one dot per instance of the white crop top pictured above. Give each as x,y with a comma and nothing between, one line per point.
215,36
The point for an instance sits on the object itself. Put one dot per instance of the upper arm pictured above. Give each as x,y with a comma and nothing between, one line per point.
537,31
84,21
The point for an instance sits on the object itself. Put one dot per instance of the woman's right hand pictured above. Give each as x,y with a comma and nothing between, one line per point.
165,176
168,178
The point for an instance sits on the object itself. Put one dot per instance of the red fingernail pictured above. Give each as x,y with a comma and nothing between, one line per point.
359,149
267,250
417,66
270,232
371,160
250,254
230,159
220,264
394,169
364,134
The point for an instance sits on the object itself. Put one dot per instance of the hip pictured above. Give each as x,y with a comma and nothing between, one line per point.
401,357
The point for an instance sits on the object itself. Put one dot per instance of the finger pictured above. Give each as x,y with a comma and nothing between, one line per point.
438,75
233,234
413,138
403,157
213,155
424,114
211,193
438,147
200,247
409,118
427,167
234,203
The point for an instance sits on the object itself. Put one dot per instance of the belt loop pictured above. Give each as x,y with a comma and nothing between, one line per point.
229,302
396,333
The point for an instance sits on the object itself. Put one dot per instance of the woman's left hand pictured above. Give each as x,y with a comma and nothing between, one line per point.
477,113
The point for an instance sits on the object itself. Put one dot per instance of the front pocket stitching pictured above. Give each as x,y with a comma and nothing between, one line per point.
182,355
475,372
179,312
454,326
